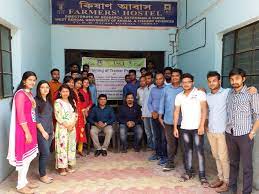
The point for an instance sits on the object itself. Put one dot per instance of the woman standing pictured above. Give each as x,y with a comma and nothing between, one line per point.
44,112
65,135
80,125
23,147
88,103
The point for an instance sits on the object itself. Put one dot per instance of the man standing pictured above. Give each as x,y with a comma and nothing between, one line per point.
74,68
143,71
153,106
54,83
242,123
151,68
166,111
133,85
92,88
146,114
216,99
168,75
127,78
86,68
140,90
192,104
130,119
101,118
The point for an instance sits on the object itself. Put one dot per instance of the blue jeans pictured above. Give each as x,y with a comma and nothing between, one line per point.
190,138
149,132
44,150
138,133
160,139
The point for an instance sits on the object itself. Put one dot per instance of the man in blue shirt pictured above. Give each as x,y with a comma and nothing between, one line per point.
166,111
130,119
101,118
133,85
153,106
217,118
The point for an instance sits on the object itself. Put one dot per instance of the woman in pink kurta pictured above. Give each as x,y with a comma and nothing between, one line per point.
23,147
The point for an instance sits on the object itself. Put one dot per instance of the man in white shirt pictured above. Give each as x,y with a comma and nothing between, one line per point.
193,106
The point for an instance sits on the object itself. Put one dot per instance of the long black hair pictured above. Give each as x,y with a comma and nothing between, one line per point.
65,81
80,95
88,89
42,103
21,85
25,76
70,97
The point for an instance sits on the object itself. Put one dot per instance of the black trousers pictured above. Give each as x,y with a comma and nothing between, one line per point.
172,143
240,147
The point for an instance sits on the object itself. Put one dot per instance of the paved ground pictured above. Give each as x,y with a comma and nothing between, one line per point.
129,173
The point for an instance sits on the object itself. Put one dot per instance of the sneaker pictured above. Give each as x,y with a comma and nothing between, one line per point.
169,166
153,157
162,161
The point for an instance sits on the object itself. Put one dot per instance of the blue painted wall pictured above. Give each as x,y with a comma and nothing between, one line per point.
222,16
30,28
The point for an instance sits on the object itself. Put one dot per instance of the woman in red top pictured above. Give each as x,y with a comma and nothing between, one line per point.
80,126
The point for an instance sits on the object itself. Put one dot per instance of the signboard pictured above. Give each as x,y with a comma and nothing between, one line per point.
110,73
114,13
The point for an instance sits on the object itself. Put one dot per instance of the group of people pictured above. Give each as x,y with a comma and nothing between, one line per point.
174,112
165,105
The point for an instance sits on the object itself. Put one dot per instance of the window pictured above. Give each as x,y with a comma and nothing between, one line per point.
241,49
6,76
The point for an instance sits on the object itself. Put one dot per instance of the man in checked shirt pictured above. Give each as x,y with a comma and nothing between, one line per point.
242,123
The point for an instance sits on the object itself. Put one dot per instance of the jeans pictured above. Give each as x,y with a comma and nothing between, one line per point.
240,147
172,143
138,133
191,137
160,140
149,132
44,150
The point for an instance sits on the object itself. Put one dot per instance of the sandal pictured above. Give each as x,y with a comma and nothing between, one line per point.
185,177
46,180
204,182
81,154
62,172
70,170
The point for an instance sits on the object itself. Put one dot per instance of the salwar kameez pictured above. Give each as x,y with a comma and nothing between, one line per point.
65,140
20,153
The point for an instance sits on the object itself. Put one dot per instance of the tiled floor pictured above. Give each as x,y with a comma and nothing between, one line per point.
117,173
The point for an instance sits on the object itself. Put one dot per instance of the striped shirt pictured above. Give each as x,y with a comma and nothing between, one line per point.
242,111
